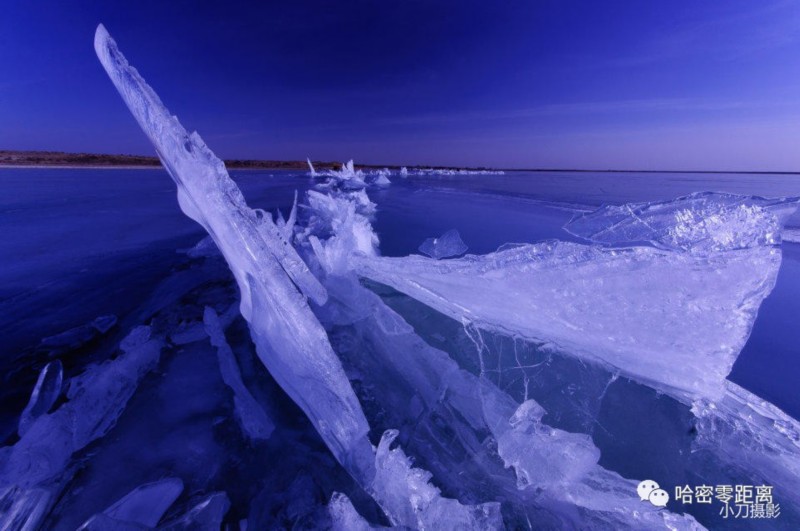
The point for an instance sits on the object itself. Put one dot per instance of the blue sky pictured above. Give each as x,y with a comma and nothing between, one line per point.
536,84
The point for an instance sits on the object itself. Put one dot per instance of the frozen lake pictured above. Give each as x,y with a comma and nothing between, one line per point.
83,243
79,243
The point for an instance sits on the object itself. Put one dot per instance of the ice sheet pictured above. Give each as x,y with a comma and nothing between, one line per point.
675,319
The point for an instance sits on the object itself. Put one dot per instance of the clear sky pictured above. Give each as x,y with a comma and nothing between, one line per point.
680,84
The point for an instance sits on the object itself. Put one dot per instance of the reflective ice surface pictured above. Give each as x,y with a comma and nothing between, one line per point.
530,386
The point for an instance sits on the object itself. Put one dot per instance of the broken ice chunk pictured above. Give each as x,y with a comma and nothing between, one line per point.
409,499
143,506
252,418
44,395
699,222
268,270
445,246
78,336
96,399
206,515
204,248
744,434
23,509
344,516
543,456
673,320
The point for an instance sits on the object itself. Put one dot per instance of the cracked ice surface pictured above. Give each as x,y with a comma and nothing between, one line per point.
34,470
543,458
669,305
700,223
675,319
289,339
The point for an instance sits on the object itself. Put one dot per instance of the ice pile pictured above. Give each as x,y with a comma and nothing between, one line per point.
665,295
274,283
451,171
35,470
349,178
700,223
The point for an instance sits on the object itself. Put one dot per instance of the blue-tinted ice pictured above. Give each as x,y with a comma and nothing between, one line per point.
531,387
447,245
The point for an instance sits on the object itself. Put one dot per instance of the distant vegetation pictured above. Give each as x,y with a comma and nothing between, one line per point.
58,158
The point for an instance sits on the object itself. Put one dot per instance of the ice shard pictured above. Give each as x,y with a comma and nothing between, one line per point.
447,245
673,318
45,393
745,434
450,411
34,470
416,502
78,336
251,416
289,339
143,507
205,515
344,516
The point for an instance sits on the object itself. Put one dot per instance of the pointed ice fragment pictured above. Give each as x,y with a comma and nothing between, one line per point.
252,417
447,245
96,399
143,506
206,515
672,319
344,516
409,498
44,395
312,172
289,340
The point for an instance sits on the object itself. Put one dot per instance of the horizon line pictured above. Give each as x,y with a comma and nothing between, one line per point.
60,159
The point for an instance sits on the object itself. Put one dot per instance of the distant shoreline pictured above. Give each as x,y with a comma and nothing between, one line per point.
57,159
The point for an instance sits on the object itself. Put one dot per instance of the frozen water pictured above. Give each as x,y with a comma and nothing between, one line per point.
203,248
78,336
252,417
206,515
745,433
432,387
290,341
47,390
701,222
344,516
414,501
541,455
672,318
35,468
499,418
144,506
447,245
